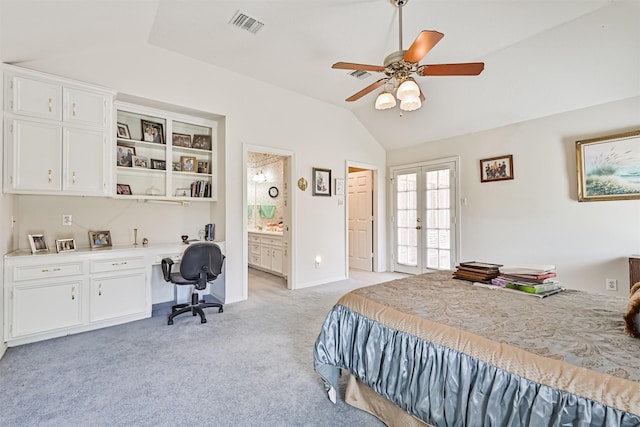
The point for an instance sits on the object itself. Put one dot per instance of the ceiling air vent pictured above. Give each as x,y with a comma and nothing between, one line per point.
359,74
245,22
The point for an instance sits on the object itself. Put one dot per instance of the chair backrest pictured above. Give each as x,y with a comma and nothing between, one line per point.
198,255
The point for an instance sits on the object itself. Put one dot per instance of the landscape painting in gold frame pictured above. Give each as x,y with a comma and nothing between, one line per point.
609,167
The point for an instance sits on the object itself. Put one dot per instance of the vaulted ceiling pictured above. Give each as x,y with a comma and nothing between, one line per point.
541,57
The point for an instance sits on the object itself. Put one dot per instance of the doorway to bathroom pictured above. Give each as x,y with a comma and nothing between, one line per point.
268,220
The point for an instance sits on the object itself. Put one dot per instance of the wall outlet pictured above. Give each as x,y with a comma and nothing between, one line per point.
611,284
67,219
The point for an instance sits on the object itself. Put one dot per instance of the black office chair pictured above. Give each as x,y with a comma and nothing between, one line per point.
201,263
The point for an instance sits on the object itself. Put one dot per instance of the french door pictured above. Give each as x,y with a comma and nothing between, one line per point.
424,219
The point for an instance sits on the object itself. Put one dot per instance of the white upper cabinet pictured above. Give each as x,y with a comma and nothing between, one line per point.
57,135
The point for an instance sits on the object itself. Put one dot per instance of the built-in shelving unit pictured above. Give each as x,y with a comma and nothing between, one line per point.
164,155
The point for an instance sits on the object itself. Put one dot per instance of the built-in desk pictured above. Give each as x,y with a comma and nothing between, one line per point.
49,295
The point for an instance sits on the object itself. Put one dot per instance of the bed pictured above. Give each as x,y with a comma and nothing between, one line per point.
430,349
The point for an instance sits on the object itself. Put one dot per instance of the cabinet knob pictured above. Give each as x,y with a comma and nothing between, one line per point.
49,176
73,292
50,105
74,177
73,110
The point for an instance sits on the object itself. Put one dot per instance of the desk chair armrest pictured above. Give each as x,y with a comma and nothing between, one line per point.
167,264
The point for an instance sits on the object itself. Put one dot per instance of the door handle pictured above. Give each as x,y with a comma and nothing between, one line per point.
419,227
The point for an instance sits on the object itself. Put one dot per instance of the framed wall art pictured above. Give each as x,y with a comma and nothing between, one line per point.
339,191
99,239
321,182
609,167
38,243
496,168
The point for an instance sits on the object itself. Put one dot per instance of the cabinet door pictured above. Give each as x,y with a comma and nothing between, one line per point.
265,257
43,308
276,260
118,295
37,99
36,156
84,107
83,161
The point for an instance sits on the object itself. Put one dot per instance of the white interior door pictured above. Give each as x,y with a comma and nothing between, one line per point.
424,220
361,220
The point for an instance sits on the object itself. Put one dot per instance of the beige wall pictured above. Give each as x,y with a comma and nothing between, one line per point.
536,218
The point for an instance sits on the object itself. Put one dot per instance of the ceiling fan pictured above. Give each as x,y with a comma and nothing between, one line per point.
399,66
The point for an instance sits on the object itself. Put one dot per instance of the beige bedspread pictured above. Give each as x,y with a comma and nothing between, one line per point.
572,341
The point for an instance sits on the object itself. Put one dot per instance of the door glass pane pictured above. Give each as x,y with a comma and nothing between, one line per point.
445,259
432,259
432,238
406,233
438,219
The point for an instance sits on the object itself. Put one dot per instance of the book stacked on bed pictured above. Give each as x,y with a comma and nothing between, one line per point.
533,279
477,271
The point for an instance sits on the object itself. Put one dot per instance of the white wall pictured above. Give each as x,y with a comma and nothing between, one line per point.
321,135
536,218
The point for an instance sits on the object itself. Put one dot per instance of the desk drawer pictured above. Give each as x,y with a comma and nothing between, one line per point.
47,271
254,248
272,241
117,264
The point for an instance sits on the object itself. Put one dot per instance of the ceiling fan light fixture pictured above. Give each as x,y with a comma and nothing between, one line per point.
410,104
408,89
385,100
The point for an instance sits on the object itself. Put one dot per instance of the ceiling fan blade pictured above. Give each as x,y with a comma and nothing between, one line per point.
366,90
361,67
466,69
425,41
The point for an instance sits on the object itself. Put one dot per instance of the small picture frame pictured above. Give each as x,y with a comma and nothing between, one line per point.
65,245
158,164
203,167
124,155
187,164
123,131
321,182
183,192
609,167
141,162
181,140
152,131
339,191
496,168
38,243
123,189
175,167
99,239
202,142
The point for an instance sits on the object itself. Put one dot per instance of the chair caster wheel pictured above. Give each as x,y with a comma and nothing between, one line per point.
169,322
221,310
203,320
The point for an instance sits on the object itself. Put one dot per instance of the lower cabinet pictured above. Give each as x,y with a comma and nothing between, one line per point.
53,295
45,307
265,252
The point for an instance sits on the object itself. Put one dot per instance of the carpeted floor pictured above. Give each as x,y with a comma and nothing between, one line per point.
249,366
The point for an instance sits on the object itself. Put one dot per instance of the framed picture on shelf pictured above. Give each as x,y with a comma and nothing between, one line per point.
496,168
65,245
609,167
38,243
175,166
141,162
187,164
203,167
152,131
183,192
99,239
123,131
124,155
181,140
321,182
158,164
123,189
202,142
